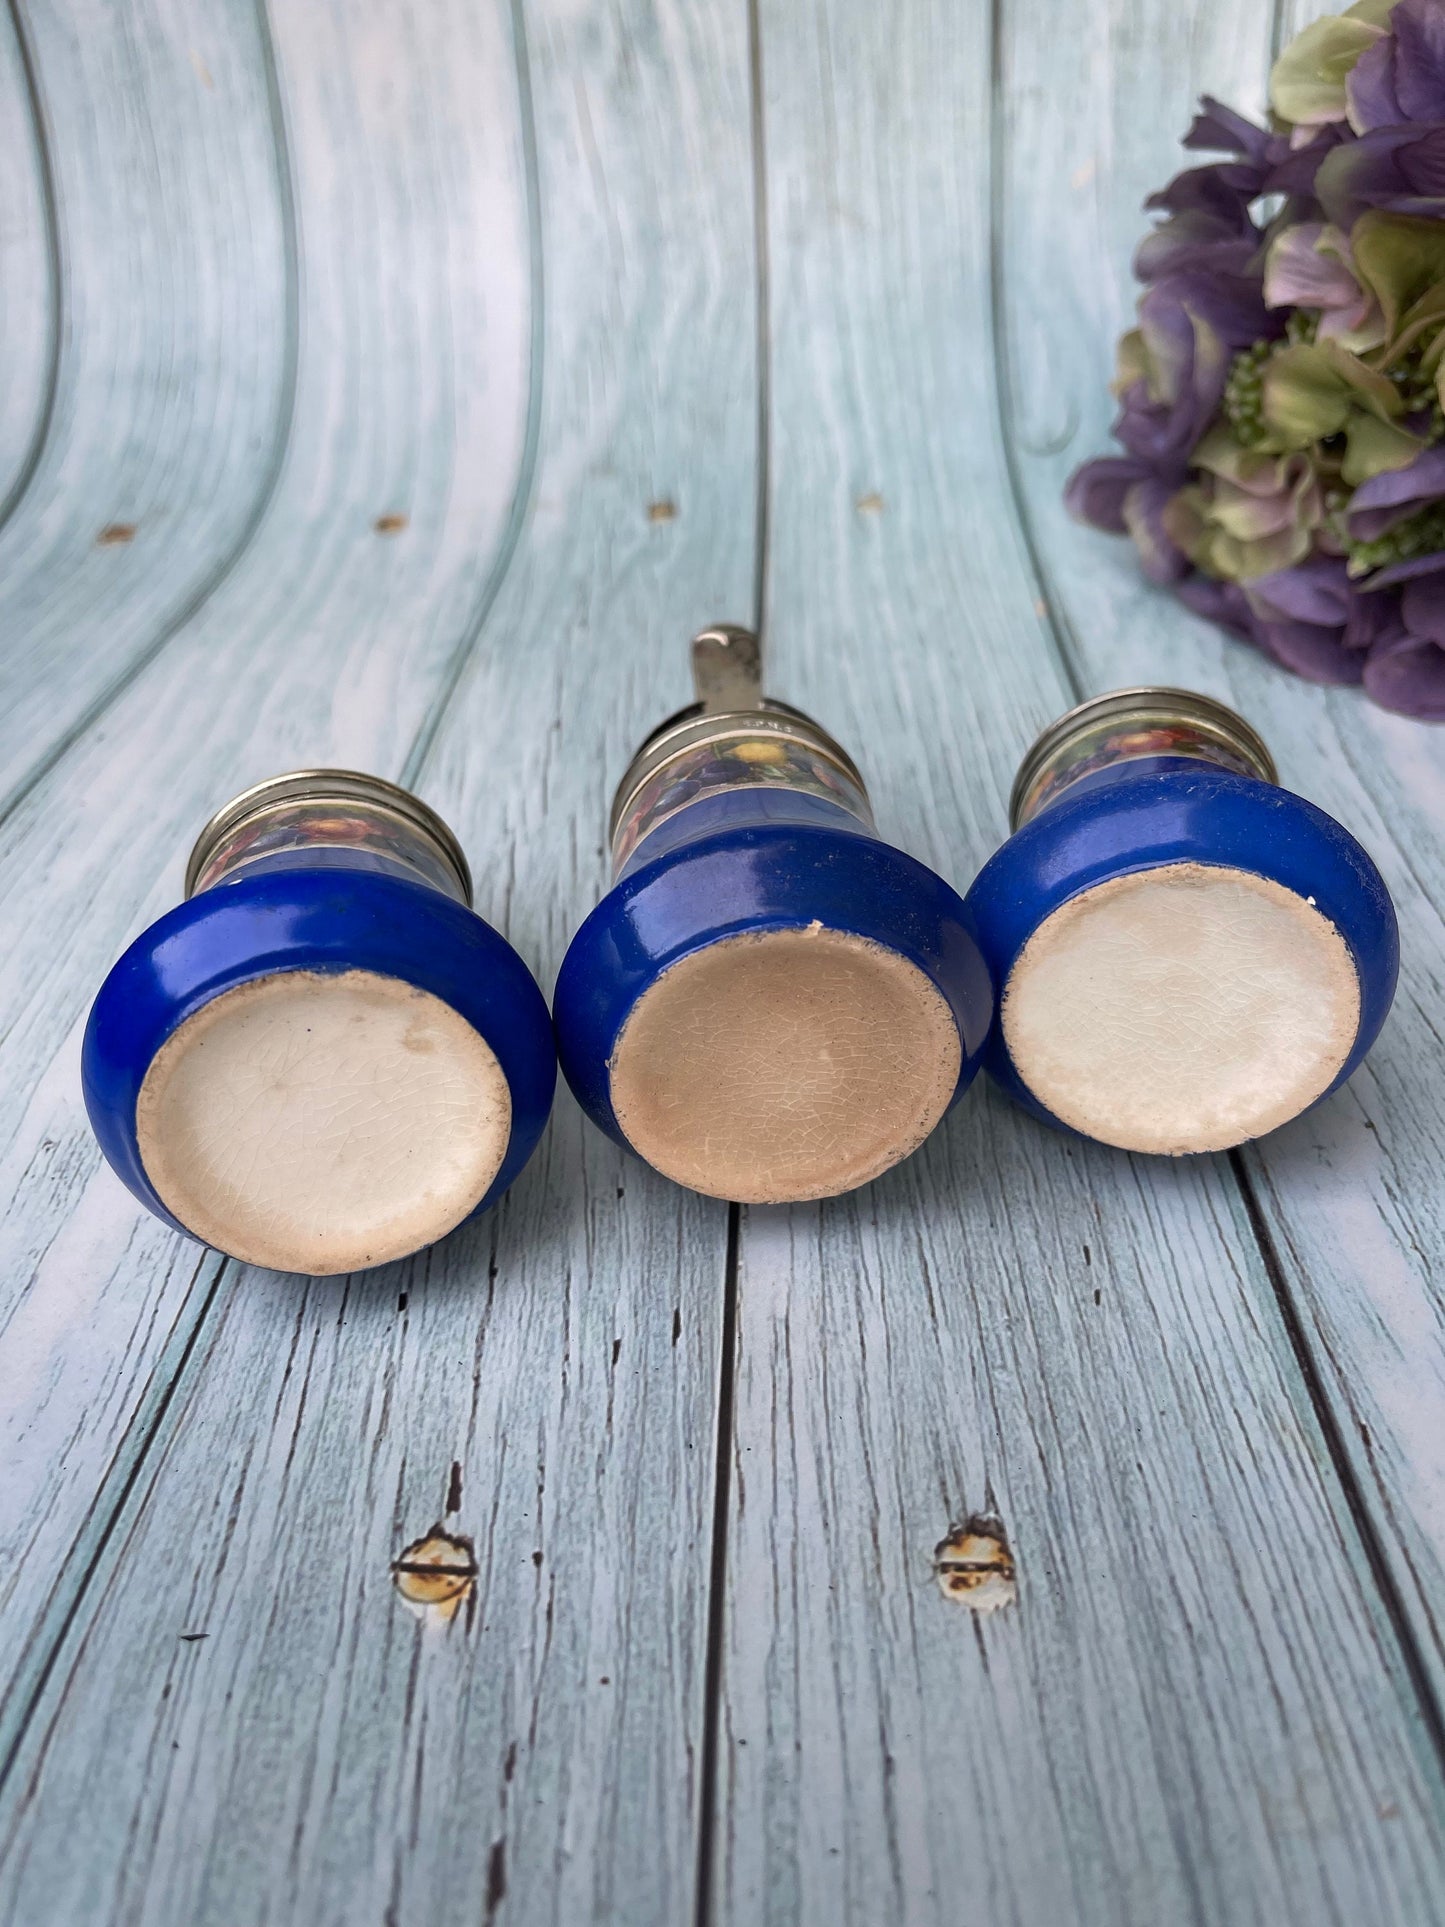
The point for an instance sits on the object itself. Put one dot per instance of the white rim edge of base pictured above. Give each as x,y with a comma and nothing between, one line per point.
1186,1008
323,1122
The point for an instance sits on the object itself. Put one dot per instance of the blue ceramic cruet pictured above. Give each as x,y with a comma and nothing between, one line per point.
1186,954
770,1003
323,1058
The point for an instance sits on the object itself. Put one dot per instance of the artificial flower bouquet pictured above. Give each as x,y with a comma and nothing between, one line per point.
1280,401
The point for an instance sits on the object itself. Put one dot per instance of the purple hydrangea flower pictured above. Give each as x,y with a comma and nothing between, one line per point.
1384,501
1209,228
1096,491
1209,223
1405,669
1282,400
1309,618
1400,169
1144,519
1294,170
1124,496
1223,603
1217,129
1315,621
1402,76
1309,265
1191,326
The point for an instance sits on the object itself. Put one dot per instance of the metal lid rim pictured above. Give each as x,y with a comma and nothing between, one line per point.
1182,704
320,786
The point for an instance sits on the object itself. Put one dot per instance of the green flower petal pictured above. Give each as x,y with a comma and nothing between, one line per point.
1184,523
1307,83
1220,454
1224,555
1303,396
1402,260
1251,517
1131,361
1316,389
1372,447
1250,514
1280,551
1250,471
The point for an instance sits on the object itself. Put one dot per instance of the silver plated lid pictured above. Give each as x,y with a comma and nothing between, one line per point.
1129,723
325,808
730,709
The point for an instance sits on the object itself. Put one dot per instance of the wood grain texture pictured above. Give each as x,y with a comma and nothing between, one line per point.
174,349
525,347
1197,1710
1351,1193
544,1381
27,280
328,642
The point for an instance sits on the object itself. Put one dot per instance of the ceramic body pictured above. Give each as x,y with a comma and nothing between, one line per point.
1150,812
741,863
312,912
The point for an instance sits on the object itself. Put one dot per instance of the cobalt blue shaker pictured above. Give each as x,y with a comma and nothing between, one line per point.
323,1059
1186,955
771,1003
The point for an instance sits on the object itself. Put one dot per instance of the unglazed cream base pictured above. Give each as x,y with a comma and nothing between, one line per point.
783,1065
322,1123
1185,1008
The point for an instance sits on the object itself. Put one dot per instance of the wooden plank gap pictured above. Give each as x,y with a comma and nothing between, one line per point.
1279,30
532,429
272,467
70,1596
45,172
717,1601
1070,657
717,1579
762,298
1046,604
79,1567
1432,1714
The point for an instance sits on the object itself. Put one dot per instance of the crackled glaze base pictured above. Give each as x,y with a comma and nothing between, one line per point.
320,1122
1184,1008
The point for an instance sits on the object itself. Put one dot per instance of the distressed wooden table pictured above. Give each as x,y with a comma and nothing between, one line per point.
400,386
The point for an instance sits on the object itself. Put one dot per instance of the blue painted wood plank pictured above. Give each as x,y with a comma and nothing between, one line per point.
173,351
1351,1193
1198,1707
539,1757
330,641
27,277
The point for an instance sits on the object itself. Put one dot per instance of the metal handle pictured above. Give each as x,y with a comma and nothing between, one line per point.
727,669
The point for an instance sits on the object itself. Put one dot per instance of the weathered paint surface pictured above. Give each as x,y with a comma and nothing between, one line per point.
1041,1533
